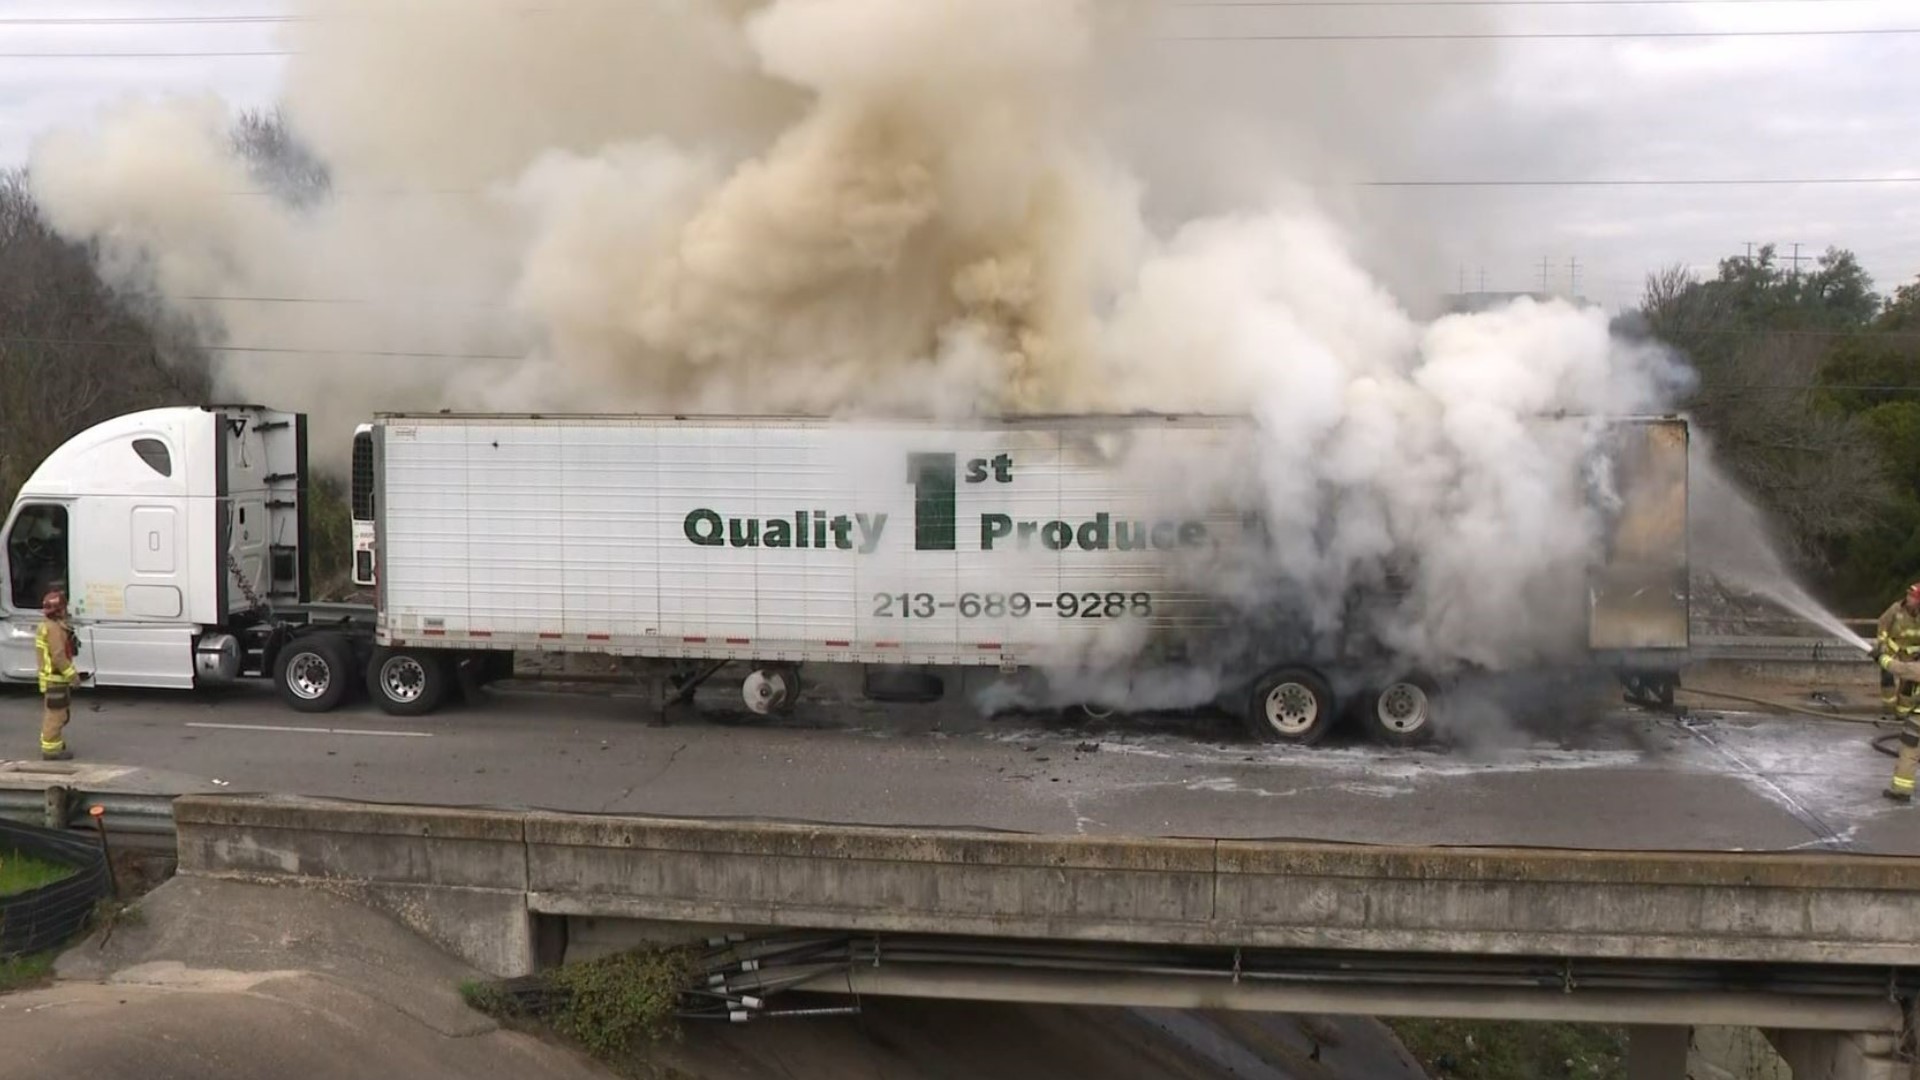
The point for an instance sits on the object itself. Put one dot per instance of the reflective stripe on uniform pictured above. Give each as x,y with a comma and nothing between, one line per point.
52,675
1902,783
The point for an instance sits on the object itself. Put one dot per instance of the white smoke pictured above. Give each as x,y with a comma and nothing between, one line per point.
865,205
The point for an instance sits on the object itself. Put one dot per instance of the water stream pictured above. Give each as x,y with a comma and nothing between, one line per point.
1730,540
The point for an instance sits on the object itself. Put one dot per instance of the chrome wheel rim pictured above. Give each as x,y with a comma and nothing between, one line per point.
309,676
403,679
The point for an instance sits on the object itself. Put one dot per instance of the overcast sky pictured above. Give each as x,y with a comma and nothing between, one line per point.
1536,109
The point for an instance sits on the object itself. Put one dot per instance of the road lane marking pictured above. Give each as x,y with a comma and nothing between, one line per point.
316,730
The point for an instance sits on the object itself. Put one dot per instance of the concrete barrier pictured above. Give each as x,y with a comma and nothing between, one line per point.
457,877
474,880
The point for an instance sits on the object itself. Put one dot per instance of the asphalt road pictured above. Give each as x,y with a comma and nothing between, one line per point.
1535,771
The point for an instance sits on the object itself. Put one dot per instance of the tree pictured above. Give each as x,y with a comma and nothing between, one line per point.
283,165
1759,340
1902,313
71,352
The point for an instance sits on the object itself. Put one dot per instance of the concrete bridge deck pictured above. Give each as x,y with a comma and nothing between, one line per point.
1828,935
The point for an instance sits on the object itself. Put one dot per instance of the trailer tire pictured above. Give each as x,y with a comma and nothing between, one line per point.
314,673
1401,713
1290,705
407,682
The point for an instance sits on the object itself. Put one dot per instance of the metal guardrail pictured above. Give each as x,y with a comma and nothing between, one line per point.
68,808
1818,650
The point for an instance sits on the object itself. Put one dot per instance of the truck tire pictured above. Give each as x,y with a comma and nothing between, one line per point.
407,682
314,673
1401,713
1290,705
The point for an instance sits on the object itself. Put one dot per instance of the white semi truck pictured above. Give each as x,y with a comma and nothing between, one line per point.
691,544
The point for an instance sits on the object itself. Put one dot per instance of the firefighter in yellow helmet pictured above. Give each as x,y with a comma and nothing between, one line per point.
1897,648
57,648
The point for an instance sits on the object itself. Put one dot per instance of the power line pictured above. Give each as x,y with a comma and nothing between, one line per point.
268,349
147,20
337,301
1487,3
1876,388
1564,182
1729,181
251,18
1737,331
1552,36
1494,2
244,19
1575,35
140,55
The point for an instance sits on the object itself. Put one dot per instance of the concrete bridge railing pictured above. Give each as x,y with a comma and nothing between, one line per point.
475,880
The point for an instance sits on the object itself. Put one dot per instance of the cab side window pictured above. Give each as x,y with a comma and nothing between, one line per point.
36,554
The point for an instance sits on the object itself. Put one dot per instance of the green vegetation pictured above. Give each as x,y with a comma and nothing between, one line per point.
612,1007
330,531
19,872
25,972
1486,1050
1809,393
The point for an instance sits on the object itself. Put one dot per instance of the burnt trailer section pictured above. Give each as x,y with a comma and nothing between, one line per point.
1640,593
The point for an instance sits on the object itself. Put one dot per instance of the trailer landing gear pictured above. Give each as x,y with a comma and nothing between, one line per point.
768,690
772,690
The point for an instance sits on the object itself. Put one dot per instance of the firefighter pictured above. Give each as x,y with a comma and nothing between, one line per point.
1897,648
57,648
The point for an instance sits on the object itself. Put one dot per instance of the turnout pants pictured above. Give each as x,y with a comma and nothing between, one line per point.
53,723
1904,696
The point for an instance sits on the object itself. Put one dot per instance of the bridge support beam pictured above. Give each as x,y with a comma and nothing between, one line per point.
1841,1055
1658,1051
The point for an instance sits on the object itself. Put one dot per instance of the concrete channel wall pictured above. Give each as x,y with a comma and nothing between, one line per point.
475,880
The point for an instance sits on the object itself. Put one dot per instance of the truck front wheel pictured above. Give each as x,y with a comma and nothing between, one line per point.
407,682
1291,705
313,672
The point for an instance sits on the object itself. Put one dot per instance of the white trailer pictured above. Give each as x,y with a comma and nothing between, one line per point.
690,543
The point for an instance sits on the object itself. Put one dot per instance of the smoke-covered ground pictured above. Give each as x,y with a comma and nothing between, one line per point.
855,207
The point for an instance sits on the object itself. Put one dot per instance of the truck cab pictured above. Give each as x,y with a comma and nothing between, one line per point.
171,531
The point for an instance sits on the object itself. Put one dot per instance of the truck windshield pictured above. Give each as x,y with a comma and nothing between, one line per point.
37,554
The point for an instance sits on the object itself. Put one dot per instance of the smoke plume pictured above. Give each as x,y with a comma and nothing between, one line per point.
943,207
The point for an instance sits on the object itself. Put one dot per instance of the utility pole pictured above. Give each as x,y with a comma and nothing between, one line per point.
1573,277
1546,271
1795,259
1749,253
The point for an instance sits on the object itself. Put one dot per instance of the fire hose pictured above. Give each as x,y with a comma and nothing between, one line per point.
1884,743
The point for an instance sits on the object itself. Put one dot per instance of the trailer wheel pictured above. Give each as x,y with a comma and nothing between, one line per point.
1401,713
1291,705
314,673
407,682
